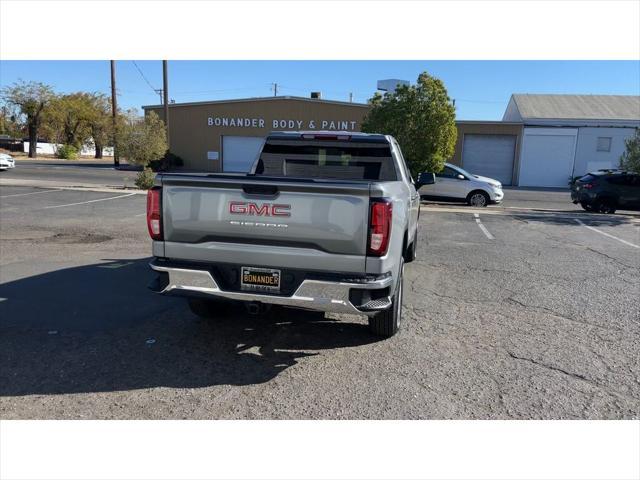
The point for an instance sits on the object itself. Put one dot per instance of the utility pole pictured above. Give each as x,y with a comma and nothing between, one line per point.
350,97
275,89
165,93
114,113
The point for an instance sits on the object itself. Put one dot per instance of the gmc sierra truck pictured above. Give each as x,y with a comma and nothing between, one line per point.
323,221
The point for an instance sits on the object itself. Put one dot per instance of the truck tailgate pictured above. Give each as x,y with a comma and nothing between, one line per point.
266,222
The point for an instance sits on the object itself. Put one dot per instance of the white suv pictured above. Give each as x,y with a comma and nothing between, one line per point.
454,184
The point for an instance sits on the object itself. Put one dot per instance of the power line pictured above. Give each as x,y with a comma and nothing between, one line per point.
480,101
145,78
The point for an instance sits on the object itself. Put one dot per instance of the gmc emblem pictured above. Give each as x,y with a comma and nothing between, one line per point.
263,210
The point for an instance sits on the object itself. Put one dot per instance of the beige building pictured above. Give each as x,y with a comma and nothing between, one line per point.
226,135
491,149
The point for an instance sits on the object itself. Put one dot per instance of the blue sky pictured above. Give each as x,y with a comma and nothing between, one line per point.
481,88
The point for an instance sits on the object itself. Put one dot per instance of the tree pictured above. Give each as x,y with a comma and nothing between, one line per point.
10,124
99,122
630,159
422,119
141,140
66,119
29,99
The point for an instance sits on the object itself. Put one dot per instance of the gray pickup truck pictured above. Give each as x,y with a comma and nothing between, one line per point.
324,221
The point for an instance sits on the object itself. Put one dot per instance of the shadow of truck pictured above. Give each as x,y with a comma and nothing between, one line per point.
97,328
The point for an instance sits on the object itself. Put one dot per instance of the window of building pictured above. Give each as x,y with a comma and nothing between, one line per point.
604,144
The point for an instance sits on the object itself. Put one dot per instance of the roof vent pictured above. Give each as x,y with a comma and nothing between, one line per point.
316,95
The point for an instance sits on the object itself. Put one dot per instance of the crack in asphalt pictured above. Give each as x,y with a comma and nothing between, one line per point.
551,367
575,376
612,258
558,315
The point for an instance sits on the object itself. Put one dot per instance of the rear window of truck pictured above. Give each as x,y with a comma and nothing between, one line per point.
327,160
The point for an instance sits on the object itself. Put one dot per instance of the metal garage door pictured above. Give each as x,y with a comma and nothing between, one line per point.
239,153
489,155
547,157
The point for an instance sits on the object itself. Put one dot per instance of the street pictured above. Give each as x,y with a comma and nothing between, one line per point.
99,172
537,319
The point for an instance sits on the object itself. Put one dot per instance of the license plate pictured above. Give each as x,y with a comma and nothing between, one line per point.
260,279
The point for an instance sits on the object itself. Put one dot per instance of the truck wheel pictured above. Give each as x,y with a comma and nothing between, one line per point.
205,308
412,252
387,323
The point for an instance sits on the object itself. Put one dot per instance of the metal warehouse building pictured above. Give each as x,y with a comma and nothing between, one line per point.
567,135
542,140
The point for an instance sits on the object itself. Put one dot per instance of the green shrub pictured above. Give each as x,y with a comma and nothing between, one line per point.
630,159
166,163
67,152
145,179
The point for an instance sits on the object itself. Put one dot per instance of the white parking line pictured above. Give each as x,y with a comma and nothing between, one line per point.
607,234
140,214
30,193
90,201
483,228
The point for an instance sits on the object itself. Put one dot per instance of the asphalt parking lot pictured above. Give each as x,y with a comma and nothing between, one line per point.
508,314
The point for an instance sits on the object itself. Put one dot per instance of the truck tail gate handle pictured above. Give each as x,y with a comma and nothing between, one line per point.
263,190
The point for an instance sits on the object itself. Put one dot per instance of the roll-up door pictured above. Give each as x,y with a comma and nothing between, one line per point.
489,155
547,157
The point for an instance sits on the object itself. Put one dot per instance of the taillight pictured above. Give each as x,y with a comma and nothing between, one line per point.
379,227
154,213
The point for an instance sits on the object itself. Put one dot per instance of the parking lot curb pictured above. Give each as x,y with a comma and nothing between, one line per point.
14,182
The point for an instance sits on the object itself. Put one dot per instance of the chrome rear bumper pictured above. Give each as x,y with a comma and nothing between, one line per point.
324,296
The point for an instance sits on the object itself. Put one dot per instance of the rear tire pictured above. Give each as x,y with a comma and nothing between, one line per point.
587,206
387,323
606,205
478,198
206,308
412,251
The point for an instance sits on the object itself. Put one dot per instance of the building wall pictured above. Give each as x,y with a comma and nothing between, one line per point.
588,158
512,114
488,128
196,129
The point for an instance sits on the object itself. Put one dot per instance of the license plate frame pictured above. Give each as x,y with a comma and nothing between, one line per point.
263,279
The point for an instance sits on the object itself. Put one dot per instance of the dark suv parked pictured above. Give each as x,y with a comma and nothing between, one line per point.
607,191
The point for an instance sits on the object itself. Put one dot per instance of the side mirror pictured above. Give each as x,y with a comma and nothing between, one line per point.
425,178
460,177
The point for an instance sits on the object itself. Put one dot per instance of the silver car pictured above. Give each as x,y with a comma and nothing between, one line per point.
455,184
6,162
